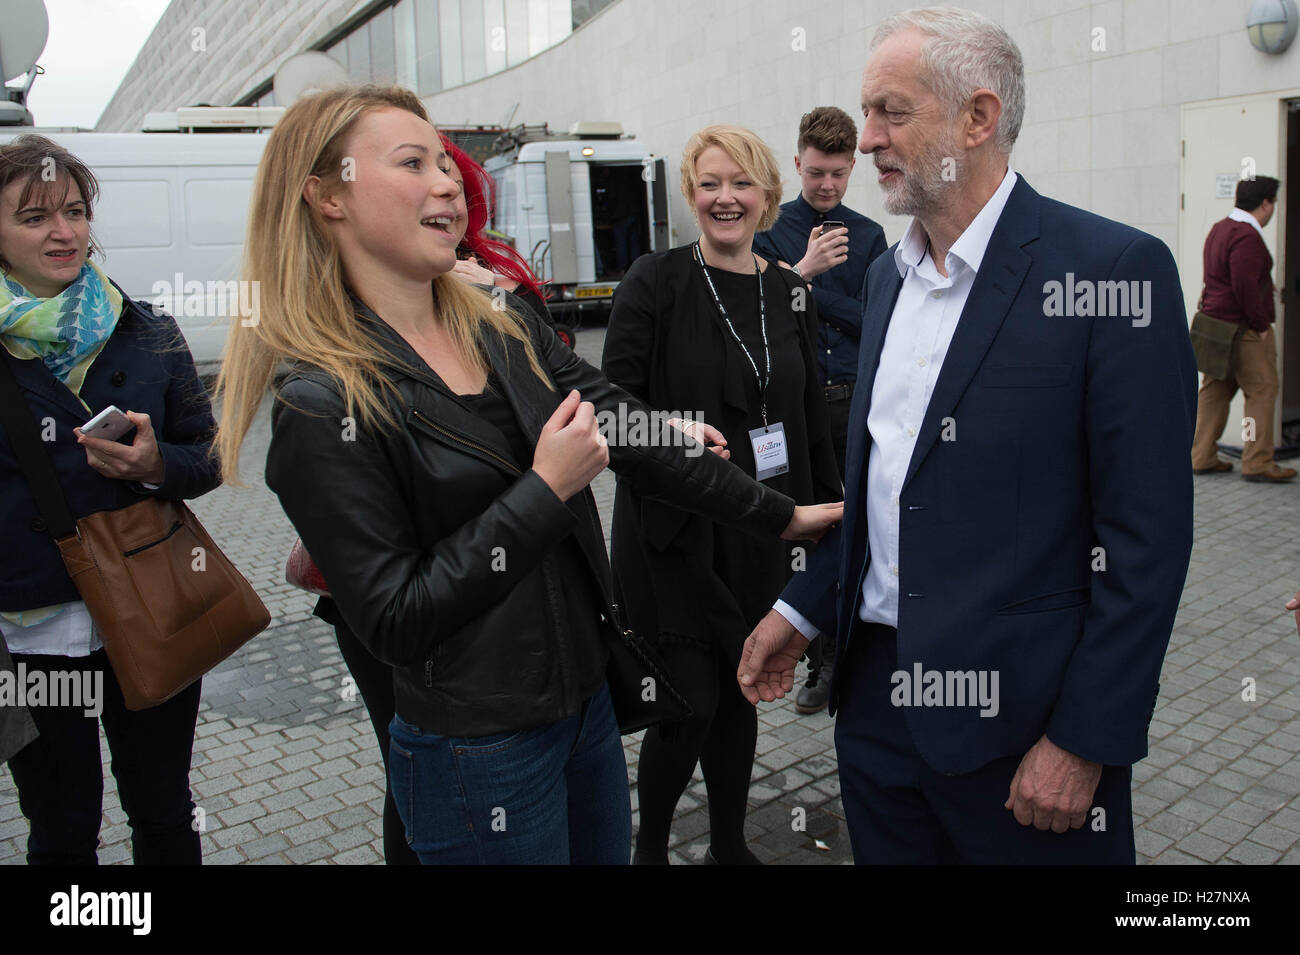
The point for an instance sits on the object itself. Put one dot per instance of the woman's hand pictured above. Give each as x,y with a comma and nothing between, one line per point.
471,271
706,434
138,461
811,521
570,450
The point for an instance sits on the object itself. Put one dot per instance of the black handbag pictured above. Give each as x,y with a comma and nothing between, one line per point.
638,682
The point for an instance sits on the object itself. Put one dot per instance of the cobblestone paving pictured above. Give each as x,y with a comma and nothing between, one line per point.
286,768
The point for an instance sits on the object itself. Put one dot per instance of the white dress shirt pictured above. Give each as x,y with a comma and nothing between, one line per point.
920,329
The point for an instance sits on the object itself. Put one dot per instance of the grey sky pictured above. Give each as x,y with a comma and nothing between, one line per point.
91,46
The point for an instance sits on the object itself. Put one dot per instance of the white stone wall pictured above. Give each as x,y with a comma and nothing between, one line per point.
1101,128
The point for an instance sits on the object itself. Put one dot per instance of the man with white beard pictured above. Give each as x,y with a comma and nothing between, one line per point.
1017,503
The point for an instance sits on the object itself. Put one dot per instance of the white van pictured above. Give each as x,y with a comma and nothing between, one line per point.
170,221
580,211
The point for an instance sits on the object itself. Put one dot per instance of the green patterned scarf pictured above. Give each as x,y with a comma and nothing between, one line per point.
67,332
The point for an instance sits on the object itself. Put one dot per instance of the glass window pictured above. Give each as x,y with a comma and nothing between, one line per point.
428,48
560,23
539,36
404,45
494,34
383,51
340,52
449,32
359,55
516,31
473,40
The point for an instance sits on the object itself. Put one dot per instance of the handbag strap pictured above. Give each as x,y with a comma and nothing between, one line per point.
33,455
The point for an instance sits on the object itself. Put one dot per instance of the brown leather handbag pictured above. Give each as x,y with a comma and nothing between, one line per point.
168,604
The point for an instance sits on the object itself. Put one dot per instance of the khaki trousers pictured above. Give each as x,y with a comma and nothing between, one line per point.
1254,370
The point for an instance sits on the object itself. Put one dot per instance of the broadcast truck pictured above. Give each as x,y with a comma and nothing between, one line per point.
580,208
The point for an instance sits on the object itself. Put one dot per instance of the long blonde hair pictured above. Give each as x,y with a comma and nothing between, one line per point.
304,310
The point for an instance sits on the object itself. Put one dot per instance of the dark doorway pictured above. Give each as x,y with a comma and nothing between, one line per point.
620,217
1290,283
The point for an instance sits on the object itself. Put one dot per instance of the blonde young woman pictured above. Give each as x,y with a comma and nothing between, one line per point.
434,454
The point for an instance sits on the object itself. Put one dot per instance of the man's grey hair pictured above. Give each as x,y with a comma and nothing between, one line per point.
965,52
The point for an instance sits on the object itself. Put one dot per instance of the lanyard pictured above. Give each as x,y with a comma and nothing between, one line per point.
762,380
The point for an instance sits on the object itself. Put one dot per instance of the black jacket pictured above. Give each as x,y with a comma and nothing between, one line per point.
675,572
440,552
144,366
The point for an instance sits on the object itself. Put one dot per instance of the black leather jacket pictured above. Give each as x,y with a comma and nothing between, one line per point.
439,551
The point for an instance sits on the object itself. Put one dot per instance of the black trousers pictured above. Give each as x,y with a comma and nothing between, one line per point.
837,414
60,777
902,812
375,683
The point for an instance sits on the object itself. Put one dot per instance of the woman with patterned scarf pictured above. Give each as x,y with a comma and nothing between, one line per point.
76,345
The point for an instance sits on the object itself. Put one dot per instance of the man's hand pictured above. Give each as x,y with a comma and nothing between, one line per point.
1053,789
825,251
810,521
1294,604
138,461
767,663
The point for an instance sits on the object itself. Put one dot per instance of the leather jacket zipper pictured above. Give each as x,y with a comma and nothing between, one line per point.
465,441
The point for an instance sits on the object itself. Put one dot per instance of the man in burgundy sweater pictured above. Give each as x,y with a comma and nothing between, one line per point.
1238,288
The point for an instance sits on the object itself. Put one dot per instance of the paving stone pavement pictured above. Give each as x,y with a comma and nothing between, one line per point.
286,769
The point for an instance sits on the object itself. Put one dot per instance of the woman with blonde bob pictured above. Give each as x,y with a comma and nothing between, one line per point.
713,327
434,454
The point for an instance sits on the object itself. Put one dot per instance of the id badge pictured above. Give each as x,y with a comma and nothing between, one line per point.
770,455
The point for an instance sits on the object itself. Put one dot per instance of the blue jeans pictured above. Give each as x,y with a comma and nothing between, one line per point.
553,795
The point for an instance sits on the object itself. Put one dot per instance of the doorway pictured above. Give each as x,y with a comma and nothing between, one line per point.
1223,140
620,216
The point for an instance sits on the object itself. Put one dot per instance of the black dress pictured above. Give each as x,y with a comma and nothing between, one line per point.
680,575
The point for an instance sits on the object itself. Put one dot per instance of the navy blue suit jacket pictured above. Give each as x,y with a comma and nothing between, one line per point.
144,366
1071,434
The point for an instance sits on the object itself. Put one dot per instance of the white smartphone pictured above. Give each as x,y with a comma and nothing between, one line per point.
110,424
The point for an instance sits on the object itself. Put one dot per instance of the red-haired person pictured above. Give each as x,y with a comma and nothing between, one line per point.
480,258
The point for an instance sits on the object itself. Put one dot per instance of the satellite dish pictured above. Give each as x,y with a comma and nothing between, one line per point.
306,73
23,34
